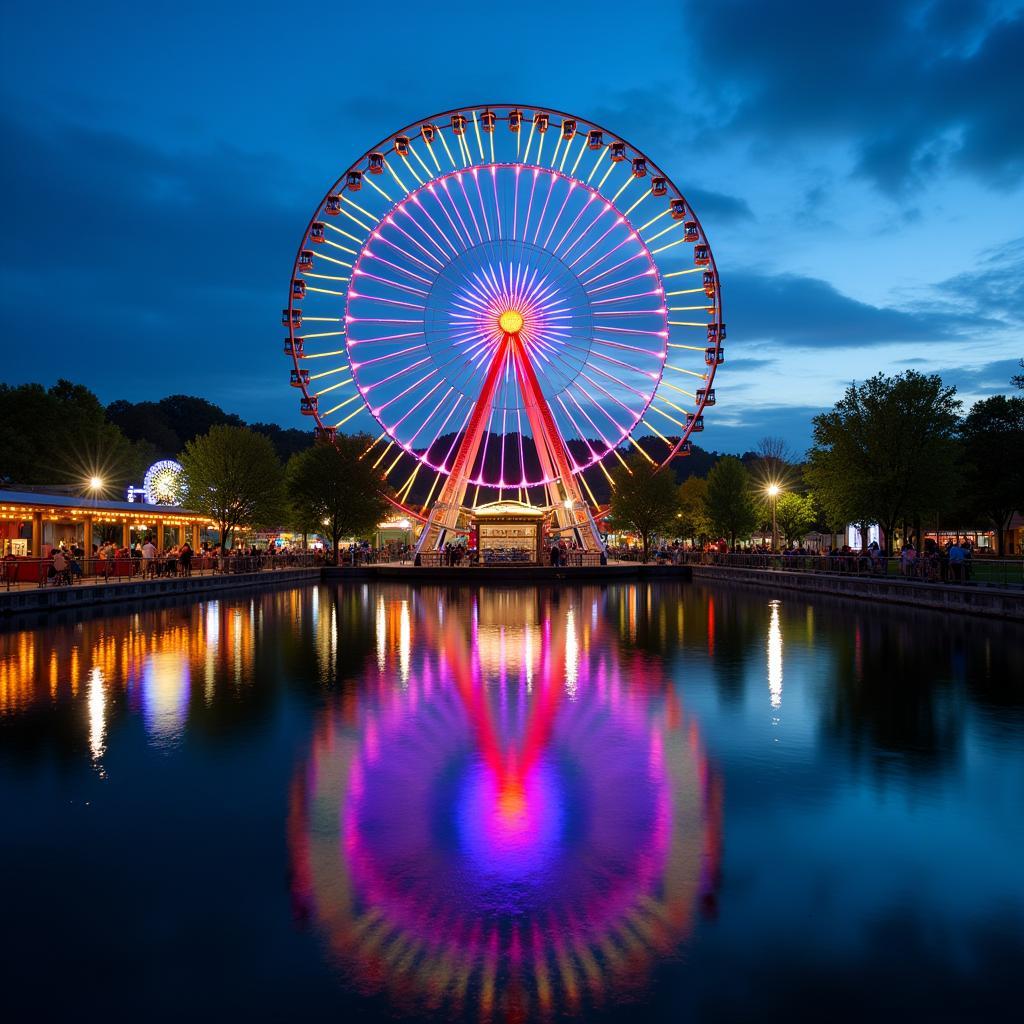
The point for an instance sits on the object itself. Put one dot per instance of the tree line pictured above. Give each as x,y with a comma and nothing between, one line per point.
896,450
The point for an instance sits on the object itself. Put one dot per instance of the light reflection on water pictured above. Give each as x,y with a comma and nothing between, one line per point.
531,824
509,804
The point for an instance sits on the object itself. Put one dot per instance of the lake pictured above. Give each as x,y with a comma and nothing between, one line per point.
636,801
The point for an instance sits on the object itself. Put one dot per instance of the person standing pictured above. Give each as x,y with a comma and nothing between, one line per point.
148,558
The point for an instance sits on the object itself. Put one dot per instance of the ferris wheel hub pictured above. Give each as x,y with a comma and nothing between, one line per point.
511,321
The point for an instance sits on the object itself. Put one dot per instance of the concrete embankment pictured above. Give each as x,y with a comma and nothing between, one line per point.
510,574
977,599
37,599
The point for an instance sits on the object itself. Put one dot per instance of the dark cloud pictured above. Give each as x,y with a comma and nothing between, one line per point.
718,207
808,312
913,88
994,286
147,263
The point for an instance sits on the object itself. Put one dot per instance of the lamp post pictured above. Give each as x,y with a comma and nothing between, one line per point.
773,493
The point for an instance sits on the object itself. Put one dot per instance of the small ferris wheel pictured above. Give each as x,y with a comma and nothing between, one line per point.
519,299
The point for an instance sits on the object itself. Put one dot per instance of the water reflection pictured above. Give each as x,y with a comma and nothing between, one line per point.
775,656
525,828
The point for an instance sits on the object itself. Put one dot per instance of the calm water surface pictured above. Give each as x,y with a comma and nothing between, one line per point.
381,802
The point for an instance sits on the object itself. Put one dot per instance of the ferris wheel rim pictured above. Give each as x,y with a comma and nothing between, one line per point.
502,112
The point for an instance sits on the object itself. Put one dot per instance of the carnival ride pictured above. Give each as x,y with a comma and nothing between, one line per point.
520,299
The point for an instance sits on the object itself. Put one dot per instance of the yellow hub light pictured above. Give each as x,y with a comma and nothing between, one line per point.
511,321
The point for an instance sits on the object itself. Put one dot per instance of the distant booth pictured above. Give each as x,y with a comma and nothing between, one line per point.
509,533
33,524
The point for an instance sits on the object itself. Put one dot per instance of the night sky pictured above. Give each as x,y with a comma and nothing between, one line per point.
858,169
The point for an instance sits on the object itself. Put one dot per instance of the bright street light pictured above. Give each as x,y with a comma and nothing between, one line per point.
773,493
96,483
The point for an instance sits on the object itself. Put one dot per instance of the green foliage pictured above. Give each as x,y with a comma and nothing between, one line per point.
795,514
693,522
992,436
61,435
886,451
644,500
730,503
333,489
1017,380
233,475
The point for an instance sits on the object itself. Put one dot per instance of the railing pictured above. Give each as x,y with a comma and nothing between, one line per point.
928,568
98,571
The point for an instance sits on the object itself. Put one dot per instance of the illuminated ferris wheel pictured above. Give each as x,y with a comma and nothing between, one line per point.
520,299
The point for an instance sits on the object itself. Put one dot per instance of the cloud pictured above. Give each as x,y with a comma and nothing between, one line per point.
791,309
911,89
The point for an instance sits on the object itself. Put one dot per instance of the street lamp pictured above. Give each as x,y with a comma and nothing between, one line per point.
95,484
773,493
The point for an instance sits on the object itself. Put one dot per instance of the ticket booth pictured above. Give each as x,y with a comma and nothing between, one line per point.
509,533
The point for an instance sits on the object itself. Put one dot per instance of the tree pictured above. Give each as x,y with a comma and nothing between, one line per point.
332,485
693,522
795,514
60,435
1017,380
886,452
730,503
993,445
644,500
232,475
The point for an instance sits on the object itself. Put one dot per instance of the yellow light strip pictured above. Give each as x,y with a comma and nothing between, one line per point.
688,323
368,178
647,423
331,259
387,472
380,458
437,476
623,461
600,156
664,231
325,334
322,319
583,149
412,170
343,248
327,277
479,141
644,227
611,167
426,170
692,348
586,487
678,423
679,309
341,405
340,231
342,422
645,194
529,141
328,373
687,291
355,205
334,387
637,446
325,291
398,180
444,142
323,355
678,273
678,241
679,369
403,492
623,187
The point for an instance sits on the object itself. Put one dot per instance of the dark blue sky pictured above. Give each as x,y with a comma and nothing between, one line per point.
859,171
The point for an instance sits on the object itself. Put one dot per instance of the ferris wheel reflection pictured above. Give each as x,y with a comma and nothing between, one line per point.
513,818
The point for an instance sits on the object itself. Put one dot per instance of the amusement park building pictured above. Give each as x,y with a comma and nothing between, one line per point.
32,524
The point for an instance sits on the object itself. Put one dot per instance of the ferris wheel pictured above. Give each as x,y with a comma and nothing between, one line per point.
520,299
